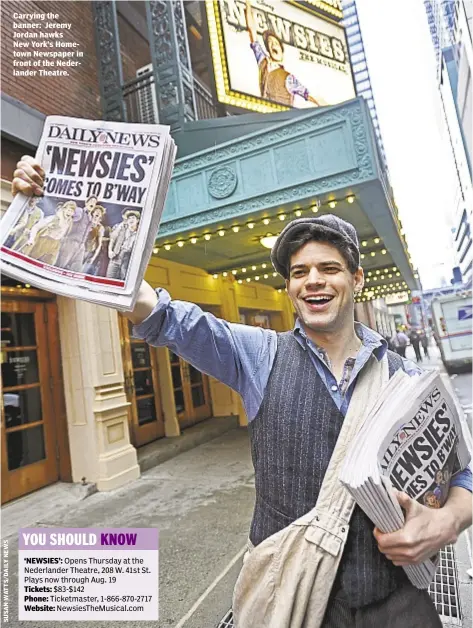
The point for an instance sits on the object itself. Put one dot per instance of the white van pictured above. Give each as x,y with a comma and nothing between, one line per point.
452,317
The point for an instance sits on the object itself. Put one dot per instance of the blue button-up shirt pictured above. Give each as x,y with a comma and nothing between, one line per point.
242,356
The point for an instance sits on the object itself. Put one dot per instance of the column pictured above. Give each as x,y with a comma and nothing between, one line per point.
107,42
97,409
171,62
225,401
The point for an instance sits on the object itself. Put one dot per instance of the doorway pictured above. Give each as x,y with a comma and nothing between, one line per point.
191,392
141,372
30,361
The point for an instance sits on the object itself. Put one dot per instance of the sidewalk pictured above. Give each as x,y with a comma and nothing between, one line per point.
201,501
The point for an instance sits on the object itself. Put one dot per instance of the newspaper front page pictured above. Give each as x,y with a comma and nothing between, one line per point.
91,235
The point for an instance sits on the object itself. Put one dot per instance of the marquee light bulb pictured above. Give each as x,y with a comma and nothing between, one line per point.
351,199
234,272
193,240
332,204
376,240
221,233
266,221
243,270
236,228
250,225
215,276
315,209
253,268
180,244
207,236
167,247
298,213
282,216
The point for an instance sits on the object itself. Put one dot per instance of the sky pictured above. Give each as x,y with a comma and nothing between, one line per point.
401,63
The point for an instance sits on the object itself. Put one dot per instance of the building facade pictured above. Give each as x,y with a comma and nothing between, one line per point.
450,28
80,395
360,68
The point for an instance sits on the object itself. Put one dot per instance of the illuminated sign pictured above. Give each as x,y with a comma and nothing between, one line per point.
397,299
269,55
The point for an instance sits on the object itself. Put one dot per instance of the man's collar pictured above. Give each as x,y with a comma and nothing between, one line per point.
370,339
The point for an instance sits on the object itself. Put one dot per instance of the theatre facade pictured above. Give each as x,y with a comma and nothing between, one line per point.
80,394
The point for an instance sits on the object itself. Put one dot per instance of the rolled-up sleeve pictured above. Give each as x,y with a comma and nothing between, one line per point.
240,356
463,479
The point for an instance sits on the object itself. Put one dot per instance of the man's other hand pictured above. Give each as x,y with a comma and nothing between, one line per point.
28,177
145,303
425,532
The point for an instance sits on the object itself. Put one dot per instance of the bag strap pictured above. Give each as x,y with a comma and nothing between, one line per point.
334,500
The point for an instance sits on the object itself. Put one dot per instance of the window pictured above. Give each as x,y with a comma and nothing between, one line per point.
362,76
359,67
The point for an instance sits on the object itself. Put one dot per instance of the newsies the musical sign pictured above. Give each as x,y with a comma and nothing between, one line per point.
271,55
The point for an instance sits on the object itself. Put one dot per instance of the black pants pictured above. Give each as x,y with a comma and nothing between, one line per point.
401,351
417,352
407,607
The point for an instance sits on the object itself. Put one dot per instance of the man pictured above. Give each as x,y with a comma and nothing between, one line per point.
424,341
72,252
296,388
122,240
400,342
276,83
20,234
414,337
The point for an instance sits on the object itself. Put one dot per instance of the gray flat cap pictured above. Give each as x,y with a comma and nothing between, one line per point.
340,233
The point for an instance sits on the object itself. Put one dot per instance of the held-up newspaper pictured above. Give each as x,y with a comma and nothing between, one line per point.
412,440
92,233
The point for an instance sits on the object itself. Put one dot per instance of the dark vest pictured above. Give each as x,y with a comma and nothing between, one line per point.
292,439
273,84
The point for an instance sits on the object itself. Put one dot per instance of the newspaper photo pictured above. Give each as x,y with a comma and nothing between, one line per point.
412,440
91,235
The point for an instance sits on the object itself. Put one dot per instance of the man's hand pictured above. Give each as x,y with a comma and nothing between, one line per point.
425,532
28,177
145,303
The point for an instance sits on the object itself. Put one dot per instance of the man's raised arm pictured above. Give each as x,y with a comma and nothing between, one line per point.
250,22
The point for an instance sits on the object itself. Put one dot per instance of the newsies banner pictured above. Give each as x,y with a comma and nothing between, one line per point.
271,55
91,235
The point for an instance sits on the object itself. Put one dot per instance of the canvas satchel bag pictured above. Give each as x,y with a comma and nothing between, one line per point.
285,581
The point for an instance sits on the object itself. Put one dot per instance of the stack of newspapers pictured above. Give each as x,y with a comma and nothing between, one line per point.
91,235
411,440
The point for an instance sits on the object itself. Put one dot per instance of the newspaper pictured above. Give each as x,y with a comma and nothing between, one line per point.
411,440
92,233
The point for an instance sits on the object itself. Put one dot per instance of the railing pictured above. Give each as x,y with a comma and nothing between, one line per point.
141,103
139,96
206,107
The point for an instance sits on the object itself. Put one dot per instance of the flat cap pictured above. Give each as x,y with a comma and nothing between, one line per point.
331,228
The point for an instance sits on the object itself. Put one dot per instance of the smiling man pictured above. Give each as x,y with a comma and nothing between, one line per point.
296,388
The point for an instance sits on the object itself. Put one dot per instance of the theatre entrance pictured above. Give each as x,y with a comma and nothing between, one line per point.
33,421
141,372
